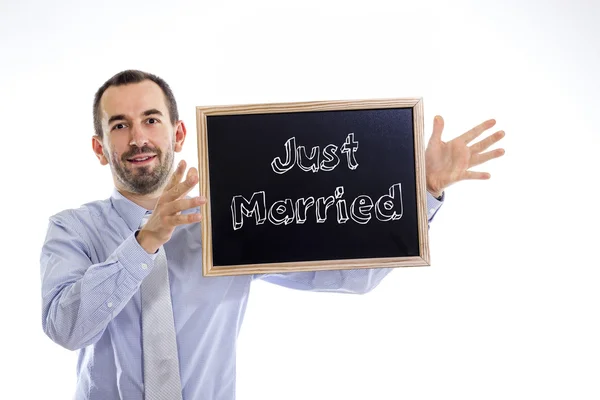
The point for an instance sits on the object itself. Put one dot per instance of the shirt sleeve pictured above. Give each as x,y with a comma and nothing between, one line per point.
80,298
356,281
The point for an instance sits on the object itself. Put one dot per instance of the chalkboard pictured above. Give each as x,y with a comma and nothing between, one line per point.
312,186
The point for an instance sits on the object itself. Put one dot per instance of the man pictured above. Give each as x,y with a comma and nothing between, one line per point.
95,259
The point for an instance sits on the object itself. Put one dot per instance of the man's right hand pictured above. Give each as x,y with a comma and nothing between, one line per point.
167,213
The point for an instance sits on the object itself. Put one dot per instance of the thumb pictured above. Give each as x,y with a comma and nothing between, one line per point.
438,127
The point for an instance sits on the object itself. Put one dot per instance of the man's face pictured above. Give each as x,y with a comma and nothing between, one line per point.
139,139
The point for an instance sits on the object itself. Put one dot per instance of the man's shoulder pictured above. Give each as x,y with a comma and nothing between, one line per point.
85,212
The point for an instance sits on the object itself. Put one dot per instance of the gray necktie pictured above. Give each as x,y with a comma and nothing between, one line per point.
161,362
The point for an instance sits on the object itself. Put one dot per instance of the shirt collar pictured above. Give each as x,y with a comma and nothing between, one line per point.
131,213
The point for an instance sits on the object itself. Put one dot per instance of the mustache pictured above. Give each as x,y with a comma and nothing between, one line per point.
140,150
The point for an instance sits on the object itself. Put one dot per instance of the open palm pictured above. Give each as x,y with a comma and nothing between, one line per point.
449,162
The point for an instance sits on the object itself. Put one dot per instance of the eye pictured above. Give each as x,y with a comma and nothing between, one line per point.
118,126
152,121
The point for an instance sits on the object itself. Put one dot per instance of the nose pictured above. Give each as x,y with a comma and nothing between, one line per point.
138,136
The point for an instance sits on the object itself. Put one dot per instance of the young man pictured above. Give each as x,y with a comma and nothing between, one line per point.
96,259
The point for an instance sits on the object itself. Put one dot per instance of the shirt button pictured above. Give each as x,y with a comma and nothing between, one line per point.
144,266
109,304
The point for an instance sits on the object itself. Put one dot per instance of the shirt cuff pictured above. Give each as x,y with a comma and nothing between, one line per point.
153,255
134,258
433,204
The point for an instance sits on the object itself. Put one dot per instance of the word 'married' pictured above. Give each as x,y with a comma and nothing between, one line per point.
362,209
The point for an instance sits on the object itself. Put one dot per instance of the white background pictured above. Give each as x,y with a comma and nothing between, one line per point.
509,308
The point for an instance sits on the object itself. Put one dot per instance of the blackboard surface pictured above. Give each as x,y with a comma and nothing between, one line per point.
311,189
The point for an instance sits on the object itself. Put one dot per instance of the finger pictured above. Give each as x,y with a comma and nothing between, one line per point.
485,157
476,131
177,206
182,219
183,188
487,142
476,175
176,177
438,127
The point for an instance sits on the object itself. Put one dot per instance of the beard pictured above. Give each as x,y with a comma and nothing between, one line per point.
146,179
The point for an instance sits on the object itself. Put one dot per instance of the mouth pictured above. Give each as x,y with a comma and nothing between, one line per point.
142,159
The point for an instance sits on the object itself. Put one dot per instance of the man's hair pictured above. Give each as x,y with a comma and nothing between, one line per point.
133,76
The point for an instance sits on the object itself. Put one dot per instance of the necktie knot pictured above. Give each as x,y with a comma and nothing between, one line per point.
145,218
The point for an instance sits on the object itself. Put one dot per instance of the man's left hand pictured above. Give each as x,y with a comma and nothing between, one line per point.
448,162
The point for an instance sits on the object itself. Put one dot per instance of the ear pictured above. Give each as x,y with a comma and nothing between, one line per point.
180,133
98,148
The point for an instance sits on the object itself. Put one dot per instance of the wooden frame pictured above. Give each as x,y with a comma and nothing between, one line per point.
201,119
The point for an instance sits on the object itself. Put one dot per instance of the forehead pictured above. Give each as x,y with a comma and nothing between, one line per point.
132,100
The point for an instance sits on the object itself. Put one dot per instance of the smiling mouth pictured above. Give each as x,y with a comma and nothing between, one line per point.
141,159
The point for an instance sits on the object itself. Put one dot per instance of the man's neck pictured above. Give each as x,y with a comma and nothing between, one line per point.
147,201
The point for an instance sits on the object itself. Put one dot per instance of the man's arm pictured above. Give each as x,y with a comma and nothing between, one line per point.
79,298
356,281
445,163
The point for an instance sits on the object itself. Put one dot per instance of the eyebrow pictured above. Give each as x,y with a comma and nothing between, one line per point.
152,111
119,117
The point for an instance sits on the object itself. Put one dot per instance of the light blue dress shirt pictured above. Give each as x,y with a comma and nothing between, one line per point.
91,269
